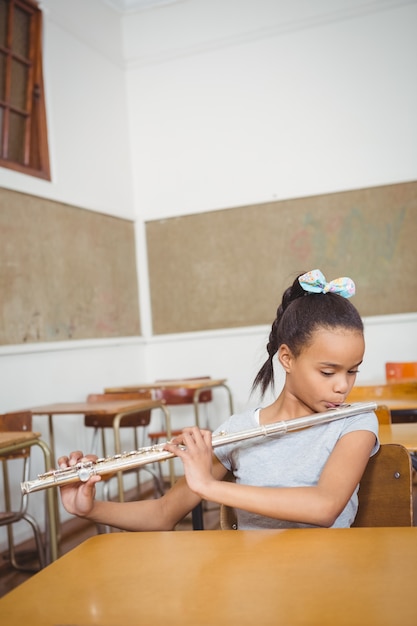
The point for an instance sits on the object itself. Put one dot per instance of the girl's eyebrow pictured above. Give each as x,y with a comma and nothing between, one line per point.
328,364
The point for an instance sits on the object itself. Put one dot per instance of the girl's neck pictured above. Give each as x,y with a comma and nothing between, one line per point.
285,407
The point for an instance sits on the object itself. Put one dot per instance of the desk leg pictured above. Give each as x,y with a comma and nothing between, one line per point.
51,522
18,516
196,398
52,462
168,429
197,513
197,516
231,408
118,447
51,440
52,508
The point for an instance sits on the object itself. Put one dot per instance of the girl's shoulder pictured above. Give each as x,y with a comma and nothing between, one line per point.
367,421
240,421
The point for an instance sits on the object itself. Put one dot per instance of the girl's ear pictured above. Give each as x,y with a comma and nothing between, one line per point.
285,357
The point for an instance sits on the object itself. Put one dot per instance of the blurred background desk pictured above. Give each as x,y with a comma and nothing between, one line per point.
181,391
399,397
12,443
404,434
116,410
177,392
320,577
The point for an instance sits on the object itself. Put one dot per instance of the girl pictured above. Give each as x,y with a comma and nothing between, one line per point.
305,478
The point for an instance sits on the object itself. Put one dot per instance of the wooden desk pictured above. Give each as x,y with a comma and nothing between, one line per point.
198,385
11,442
380,390
402,410
314,577
116,408
119,409
399,397
405,434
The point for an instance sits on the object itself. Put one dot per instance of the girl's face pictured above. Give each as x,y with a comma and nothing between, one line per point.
322,376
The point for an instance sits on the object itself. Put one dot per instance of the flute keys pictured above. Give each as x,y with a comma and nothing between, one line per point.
84,474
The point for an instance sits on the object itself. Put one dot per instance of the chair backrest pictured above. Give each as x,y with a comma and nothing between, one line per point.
406,370
141,418
228,518
182,395
383,414
385,492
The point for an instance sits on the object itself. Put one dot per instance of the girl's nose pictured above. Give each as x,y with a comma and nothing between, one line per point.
341,384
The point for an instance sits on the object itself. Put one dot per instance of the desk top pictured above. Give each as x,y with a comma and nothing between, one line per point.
319,577
112,407
15,437
407,404
382,391
199,383
404,433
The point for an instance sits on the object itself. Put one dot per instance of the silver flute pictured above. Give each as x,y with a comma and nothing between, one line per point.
82,471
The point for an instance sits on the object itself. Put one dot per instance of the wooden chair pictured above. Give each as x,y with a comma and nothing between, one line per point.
384,417
383,414
17,423
182,395
102,423
136,420
385,492
176,396
401,371
228,518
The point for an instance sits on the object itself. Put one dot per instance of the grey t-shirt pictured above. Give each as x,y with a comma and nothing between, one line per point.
295,459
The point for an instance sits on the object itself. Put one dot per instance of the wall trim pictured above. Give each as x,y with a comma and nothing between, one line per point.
221,333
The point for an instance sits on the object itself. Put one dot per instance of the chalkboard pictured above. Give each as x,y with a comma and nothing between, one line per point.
65,273
228,268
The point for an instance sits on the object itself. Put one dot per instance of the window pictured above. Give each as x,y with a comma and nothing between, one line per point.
23,133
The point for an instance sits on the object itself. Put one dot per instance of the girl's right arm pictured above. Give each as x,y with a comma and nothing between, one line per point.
143,515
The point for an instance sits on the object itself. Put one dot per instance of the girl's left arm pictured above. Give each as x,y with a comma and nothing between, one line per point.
318,505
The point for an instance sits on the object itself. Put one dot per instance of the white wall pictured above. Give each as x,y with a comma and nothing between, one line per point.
253,101
86,111
91,167
201,105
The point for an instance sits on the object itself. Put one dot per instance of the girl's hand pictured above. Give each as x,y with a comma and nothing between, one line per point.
78,498
195,450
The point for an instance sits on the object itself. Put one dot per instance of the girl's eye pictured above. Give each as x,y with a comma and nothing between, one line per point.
327,373
353,372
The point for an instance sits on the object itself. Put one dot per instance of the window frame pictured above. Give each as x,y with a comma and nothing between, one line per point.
35,153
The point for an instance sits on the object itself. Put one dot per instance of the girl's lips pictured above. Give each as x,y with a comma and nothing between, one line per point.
333,405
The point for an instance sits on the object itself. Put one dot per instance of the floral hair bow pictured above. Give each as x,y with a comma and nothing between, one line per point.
315,282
